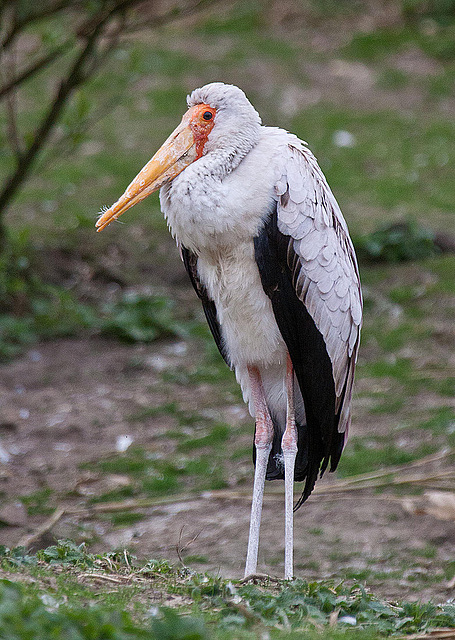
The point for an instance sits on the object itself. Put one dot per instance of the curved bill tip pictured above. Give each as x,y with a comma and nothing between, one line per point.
177,152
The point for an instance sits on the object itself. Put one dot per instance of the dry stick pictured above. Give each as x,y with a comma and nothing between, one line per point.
378,482
436,634
14,139
434,457
349,484
104,576
28,540
129,505
180,549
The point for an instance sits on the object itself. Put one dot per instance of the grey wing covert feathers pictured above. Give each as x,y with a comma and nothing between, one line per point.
324,267
309,270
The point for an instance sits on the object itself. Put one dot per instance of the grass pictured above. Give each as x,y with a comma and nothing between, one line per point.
399,168
153,475
38,503
71,594
369,454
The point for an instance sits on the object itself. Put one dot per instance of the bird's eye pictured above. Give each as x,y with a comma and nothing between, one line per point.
207,115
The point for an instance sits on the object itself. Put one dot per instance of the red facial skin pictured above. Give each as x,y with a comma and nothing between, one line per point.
201,127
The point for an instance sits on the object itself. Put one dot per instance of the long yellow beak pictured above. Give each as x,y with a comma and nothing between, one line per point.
177,152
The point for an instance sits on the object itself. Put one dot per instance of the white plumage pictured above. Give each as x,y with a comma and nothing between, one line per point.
227,203
269,254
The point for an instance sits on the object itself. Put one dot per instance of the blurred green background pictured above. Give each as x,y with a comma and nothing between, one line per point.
369,85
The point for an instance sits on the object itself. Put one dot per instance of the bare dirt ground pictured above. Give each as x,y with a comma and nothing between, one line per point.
67,402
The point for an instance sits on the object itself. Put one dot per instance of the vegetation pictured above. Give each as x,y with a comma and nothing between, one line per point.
374,95
214,608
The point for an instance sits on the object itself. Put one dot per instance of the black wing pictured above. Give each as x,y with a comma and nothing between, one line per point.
307,350
190,261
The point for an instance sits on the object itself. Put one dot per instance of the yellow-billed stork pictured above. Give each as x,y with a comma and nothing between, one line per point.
269,254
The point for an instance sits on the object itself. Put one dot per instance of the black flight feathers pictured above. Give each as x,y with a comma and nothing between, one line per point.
308,353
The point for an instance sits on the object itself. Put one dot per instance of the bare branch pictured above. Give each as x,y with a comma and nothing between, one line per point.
173,14
75,77
8,70
34,68
42,12
100,33
180,549
29,539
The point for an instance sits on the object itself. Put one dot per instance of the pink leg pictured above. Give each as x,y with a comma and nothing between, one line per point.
263,444
289,448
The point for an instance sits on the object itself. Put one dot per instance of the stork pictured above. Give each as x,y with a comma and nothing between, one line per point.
268,252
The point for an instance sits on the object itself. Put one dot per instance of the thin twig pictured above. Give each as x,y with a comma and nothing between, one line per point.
40,64
19,23
94,32
28,540
104,576
181,549
75,76
434,457
8,66
445,633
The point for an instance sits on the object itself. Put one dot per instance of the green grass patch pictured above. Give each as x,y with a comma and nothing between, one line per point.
61,601
398,165
126,518
399,368
138,318
246,19
167,408
38,502
378,44
388,405
190,559
442,421
156,476
364,455
117,495
34,309
218,434
443,268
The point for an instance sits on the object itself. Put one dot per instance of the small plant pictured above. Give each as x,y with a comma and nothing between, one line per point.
66,552
397,242
204,606
140,318
32,309
24,615
170,626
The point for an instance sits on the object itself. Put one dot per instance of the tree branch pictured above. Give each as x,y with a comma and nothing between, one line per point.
8,70
67,86
76,76
19,23
94,31
34,68
173,14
